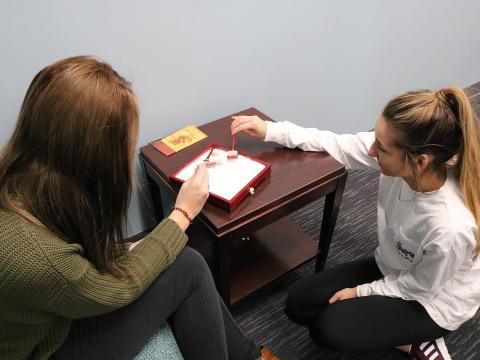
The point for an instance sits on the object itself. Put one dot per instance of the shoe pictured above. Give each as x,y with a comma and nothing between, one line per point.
430,350
267,354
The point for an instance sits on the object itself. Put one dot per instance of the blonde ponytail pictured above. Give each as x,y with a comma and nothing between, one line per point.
468,162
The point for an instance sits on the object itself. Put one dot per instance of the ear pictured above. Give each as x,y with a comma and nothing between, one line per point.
423,161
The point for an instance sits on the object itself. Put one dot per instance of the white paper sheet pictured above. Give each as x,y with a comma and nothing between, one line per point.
229,176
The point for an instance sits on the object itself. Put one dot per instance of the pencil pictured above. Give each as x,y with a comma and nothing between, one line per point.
210,153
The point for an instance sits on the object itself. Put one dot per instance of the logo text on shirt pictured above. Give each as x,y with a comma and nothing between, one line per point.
407,255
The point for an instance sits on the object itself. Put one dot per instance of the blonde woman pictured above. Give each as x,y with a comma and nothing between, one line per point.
424,280
69,287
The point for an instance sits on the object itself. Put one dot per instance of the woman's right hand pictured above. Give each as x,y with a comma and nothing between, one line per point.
252,125
193,194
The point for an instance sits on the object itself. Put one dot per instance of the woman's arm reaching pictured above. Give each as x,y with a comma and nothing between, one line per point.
350,150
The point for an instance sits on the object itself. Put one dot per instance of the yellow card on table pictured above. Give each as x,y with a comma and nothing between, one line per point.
179,140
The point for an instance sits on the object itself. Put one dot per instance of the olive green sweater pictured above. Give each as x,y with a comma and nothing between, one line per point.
45,283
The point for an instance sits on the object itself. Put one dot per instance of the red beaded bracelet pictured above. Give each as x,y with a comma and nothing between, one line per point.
190,220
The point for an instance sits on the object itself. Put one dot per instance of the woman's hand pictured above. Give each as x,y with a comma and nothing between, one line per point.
192,196
252,125
347,293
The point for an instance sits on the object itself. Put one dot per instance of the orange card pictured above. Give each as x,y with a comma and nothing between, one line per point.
179,140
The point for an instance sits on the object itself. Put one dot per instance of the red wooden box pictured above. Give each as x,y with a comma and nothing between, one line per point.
240,195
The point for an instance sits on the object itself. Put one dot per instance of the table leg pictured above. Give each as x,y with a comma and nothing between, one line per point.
330,213
222,260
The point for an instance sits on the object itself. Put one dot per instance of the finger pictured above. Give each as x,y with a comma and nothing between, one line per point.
237,122
203,177
239,117
201,167
334,298
242,127
194,176
200,171
242,119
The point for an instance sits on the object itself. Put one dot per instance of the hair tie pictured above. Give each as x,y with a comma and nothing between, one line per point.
449,100
441,96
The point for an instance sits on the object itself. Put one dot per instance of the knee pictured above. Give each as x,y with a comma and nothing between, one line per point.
328,330
293,303
298,307
194,263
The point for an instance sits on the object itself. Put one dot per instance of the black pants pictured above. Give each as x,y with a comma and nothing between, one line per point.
358,324
185,295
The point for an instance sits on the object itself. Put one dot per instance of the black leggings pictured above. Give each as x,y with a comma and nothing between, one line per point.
358,324
185,295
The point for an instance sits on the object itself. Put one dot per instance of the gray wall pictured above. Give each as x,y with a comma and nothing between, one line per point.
329,64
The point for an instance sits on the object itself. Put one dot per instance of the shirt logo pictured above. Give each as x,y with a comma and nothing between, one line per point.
407,255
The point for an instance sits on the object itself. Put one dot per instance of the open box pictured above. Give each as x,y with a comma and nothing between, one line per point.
230,180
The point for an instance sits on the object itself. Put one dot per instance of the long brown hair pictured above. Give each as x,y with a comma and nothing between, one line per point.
444,125
69,162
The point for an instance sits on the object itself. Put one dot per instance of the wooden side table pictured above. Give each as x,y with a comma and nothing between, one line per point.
255,243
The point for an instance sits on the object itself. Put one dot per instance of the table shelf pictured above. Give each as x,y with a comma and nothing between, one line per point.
270,253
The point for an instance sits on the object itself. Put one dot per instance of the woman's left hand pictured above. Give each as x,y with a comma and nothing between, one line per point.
347,293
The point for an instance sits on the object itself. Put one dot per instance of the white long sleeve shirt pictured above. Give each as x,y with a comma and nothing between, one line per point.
426,240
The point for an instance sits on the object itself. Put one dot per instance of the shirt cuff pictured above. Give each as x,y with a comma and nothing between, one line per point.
364,290
274,131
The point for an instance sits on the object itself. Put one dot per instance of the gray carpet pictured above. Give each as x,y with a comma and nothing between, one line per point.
262,316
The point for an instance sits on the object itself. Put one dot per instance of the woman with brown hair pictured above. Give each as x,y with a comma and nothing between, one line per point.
424,280
69,286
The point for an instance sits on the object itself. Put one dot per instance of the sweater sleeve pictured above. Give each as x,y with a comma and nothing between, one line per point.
350,150
439,264
88,292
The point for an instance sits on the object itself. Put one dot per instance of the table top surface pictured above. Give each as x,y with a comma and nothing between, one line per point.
293,171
